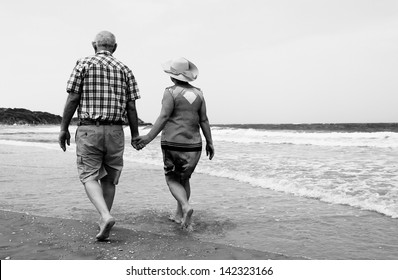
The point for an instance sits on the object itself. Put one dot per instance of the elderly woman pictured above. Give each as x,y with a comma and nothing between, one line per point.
182,115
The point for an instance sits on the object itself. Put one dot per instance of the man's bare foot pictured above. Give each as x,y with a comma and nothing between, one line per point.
105,229
186,218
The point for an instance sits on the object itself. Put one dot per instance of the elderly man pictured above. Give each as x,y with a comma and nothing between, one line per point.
103,90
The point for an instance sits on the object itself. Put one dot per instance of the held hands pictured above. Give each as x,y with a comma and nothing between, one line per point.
63,137
140,142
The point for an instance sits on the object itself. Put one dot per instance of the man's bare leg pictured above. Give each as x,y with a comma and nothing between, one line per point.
180,194
96,195
108,190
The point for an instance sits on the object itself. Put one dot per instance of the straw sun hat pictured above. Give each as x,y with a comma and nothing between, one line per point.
181,69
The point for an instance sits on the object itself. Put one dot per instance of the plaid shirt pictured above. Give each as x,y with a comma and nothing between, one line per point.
105,85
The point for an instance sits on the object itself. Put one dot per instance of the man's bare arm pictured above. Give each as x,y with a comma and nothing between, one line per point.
132,116
72,102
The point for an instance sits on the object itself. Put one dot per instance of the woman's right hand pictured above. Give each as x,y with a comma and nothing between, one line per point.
140,142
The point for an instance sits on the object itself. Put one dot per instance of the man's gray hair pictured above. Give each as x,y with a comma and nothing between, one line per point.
105,39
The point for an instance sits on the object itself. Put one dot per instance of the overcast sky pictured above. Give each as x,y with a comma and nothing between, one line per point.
260,61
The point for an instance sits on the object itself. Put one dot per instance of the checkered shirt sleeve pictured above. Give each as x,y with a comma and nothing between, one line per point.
75,80
132,88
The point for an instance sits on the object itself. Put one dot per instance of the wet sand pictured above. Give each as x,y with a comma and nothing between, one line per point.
28,237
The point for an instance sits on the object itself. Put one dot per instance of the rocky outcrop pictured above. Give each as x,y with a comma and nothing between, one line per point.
20,116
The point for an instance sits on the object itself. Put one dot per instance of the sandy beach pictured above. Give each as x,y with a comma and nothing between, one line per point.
28,237
53,235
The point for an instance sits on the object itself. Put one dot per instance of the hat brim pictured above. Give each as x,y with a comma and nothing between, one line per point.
181,77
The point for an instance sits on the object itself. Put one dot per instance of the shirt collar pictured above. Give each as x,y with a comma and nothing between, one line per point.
104,52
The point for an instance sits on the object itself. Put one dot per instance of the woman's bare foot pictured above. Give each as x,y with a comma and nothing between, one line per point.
175,218
189,228
105,228
186,218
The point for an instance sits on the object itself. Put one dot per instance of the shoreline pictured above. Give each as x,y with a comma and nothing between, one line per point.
31,237
41,173
42,180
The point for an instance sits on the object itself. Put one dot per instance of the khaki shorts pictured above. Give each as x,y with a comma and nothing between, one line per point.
99,152
180,163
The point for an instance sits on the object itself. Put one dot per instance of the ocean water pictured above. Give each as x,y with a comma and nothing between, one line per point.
319,191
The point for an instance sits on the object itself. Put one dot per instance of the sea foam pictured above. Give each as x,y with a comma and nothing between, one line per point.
342,139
